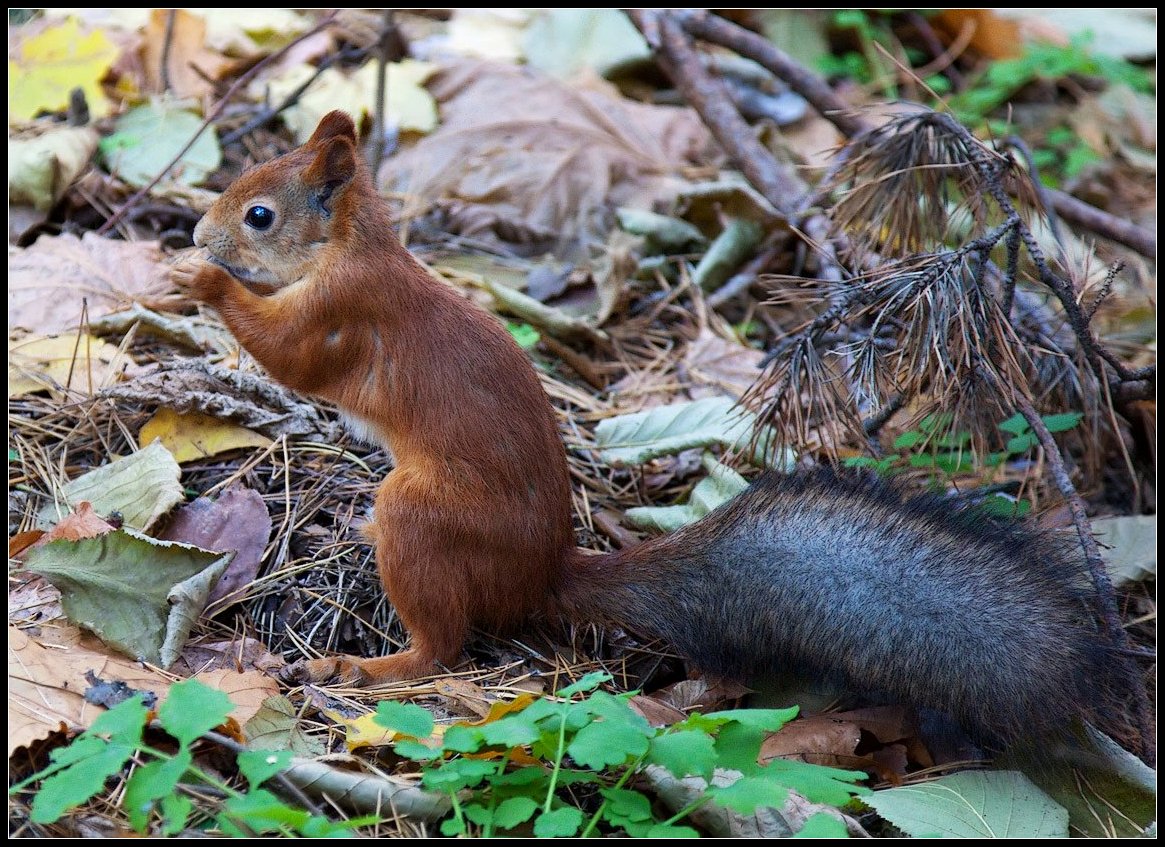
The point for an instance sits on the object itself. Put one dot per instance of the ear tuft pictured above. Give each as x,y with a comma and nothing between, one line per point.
334,166
333,124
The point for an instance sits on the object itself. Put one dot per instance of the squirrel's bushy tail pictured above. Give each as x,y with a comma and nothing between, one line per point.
847,575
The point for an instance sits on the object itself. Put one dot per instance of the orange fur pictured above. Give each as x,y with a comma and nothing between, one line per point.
472,526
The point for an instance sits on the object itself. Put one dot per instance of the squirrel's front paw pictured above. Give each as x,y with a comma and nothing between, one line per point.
199,279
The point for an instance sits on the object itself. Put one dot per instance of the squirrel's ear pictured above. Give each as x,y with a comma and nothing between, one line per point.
334,166
333,124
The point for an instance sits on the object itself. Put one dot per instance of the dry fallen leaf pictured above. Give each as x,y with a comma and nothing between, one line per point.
193,435
529,159
238,520
191,67
48,281
64,364
45,685
247,690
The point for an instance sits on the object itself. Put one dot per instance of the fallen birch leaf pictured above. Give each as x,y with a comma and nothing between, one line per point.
716,489
139,595
192,435
147,138
277,726
141,487
248,690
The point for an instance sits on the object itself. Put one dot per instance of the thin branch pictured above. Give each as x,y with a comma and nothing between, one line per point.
809,85
379,127
1105,595
710,98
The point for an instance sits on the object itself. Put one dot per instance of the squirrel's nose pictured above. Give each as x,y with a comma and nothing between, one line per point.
200,233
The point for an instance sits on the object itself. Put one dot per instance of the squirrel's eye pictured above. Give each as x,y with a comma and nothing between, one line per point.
259,217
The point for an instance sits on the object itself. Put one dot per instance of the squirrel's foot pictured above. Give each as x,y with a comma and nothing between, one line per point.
336,670
350,670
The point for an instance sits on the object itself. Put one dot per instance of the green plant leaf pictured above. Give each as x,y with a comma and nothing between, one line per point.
513,811
1062,422
523,333
603,744
260,811
1016,424
78,783
671,831
588,682
626,805
456,774
1022,443
559,823
258,766
748,793
817,783
684,752
151,782
822,825
176,810
404,718
908,439
192,709
973,804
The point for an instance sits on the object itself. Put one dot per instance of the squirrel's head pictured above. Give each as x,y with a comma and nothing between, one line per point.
268,227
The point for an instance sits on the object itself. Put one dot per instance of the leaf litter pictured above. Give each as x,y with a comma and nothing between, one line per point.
505,172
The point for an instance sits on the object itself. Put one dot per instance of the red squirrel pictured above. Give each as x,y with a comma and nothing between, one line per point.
901,594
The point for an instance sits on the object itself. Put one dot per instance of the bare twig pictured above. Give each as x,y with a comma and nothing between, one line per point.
383,45
1105,595
208,120
167,45
809,85
1103,224
708,96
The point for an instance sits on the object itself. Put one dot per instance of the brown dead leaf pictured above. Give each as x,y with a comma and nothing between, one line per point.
45,685
819,740
33,599
992,35
247,690
236,655
657,712
716,367
82,523
186,52
238,520
47,281
20,542
705,695
465,695
525,158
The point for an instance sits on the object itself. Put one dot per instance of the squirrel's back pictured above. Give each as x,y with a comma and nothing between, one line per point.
848,575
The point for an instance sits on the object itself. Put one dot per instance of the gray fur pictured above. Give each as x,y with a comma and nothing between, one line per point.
851,577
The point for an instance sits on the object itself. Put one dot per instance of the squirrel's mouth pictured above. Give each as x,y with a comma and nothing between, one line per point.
244,275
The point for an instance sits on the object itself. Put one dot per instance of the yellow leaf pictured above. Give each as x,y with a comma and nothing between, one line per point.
364,731
410,106
500,709
58,362
50,65
196,436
